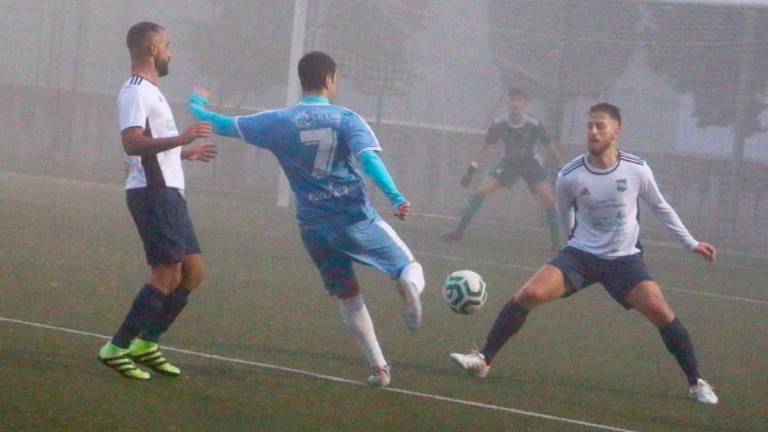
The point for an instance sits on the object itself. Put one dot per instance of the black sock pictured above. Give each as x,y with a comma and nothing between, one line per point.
509,321
172,307
679,343
147,309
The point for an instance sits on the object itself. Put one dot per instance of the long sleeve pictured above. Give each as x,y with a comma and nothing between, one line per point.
565,200
222,124
374,168
652,196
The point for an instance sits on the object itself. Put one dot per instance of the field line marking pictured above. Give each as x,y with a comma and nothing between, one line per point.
332,378
434,255
525,267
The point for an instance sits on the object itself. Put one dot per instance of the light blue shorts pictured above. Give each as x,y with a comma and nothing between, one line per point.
372,242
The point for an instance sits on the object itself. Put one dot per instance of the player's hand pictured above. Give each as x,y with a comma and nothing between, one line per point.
706,250
466,179
402,211
203,152
202,91
197,130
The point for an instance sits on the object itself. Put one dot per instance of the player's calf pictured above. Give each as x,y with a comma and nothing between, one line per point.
410,285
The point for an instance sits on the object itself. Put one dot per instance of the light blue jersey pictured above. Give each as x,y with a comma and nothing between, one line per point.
314,142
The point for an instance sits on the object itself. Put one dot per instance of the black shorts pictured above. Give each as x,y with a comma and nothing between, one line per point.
163,223
618,276
508,171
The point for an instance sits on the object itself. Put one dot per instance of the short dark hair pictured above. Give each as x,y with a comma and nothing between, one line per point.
138,34
516,92
314,68
606,108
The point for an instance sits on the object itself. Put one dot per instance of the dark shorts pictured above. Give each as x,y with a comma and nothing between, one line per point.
163,223
618,276
508,171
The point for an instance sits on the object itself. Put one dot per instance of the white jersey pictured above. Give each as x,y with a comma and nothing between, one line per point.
141,104
600,207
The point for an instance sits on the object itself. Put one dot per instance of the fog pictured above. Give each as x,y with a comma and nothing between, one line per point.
429,76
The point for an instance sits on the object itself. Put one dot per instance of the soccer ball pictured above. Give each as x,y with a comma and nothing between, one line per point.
465,291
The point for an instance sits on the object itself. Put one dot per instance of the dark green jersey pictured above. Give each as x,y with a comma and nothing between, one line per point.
519,140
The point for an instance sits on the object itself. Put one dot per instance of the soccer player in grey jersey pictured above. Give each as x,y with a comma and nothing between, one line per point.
597,197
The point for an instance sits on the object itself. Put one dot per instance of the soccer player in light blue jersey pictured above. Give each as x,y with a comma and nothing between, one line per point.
315,142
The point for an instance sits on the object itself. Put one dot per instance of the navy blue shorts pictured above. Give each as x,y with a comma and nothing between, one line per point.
618,276
163,223
372,242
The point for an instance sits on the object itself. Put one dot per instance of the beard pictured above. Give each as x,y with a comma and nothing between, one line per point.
162,68
597,149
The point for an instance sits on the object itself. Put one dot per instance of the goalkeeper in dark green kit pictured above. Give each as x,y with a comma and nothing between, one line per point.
520,133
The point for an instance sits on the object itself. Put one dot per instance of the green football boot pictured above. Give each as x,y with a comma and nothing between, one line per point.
117,359
148,354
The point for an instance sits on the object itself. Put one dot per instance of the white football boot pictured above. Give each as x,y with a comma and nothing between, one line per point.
474,363
703,392
380,377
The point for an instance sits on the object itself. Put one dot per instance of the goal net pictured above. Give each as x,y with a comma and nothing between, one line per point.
429,76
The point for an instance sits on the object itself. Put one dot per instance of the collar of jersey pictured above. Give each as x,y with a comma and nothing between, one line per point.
315,100
516,126
598,171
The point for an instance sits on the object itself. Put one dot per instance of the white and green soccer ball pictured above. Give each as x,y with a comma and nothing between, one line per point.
465,291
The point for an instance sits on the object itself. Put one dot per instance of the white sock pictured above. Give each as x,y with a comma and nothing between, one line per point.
358,321
413,274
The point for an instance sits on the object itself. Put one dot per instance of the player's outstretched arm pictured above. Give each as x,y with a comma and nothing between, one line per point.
374,168
222,124
649,191
136,143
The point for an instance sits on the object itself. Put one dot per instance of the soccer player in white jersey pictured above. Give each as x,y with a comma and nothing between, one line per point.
597,199
154,191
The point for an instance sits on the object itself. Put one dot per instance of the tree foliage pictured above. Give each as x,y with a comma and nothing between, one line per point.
244,50
565,47
703,50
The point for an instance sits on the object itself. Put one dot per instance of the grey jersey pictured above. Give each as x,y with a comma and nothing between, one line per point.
600,207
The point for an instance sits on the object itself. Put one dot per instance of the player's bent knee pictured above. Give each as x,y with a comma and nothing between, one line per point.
413,274
166,277
546,285
531,297
193,272
648,299
659,313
